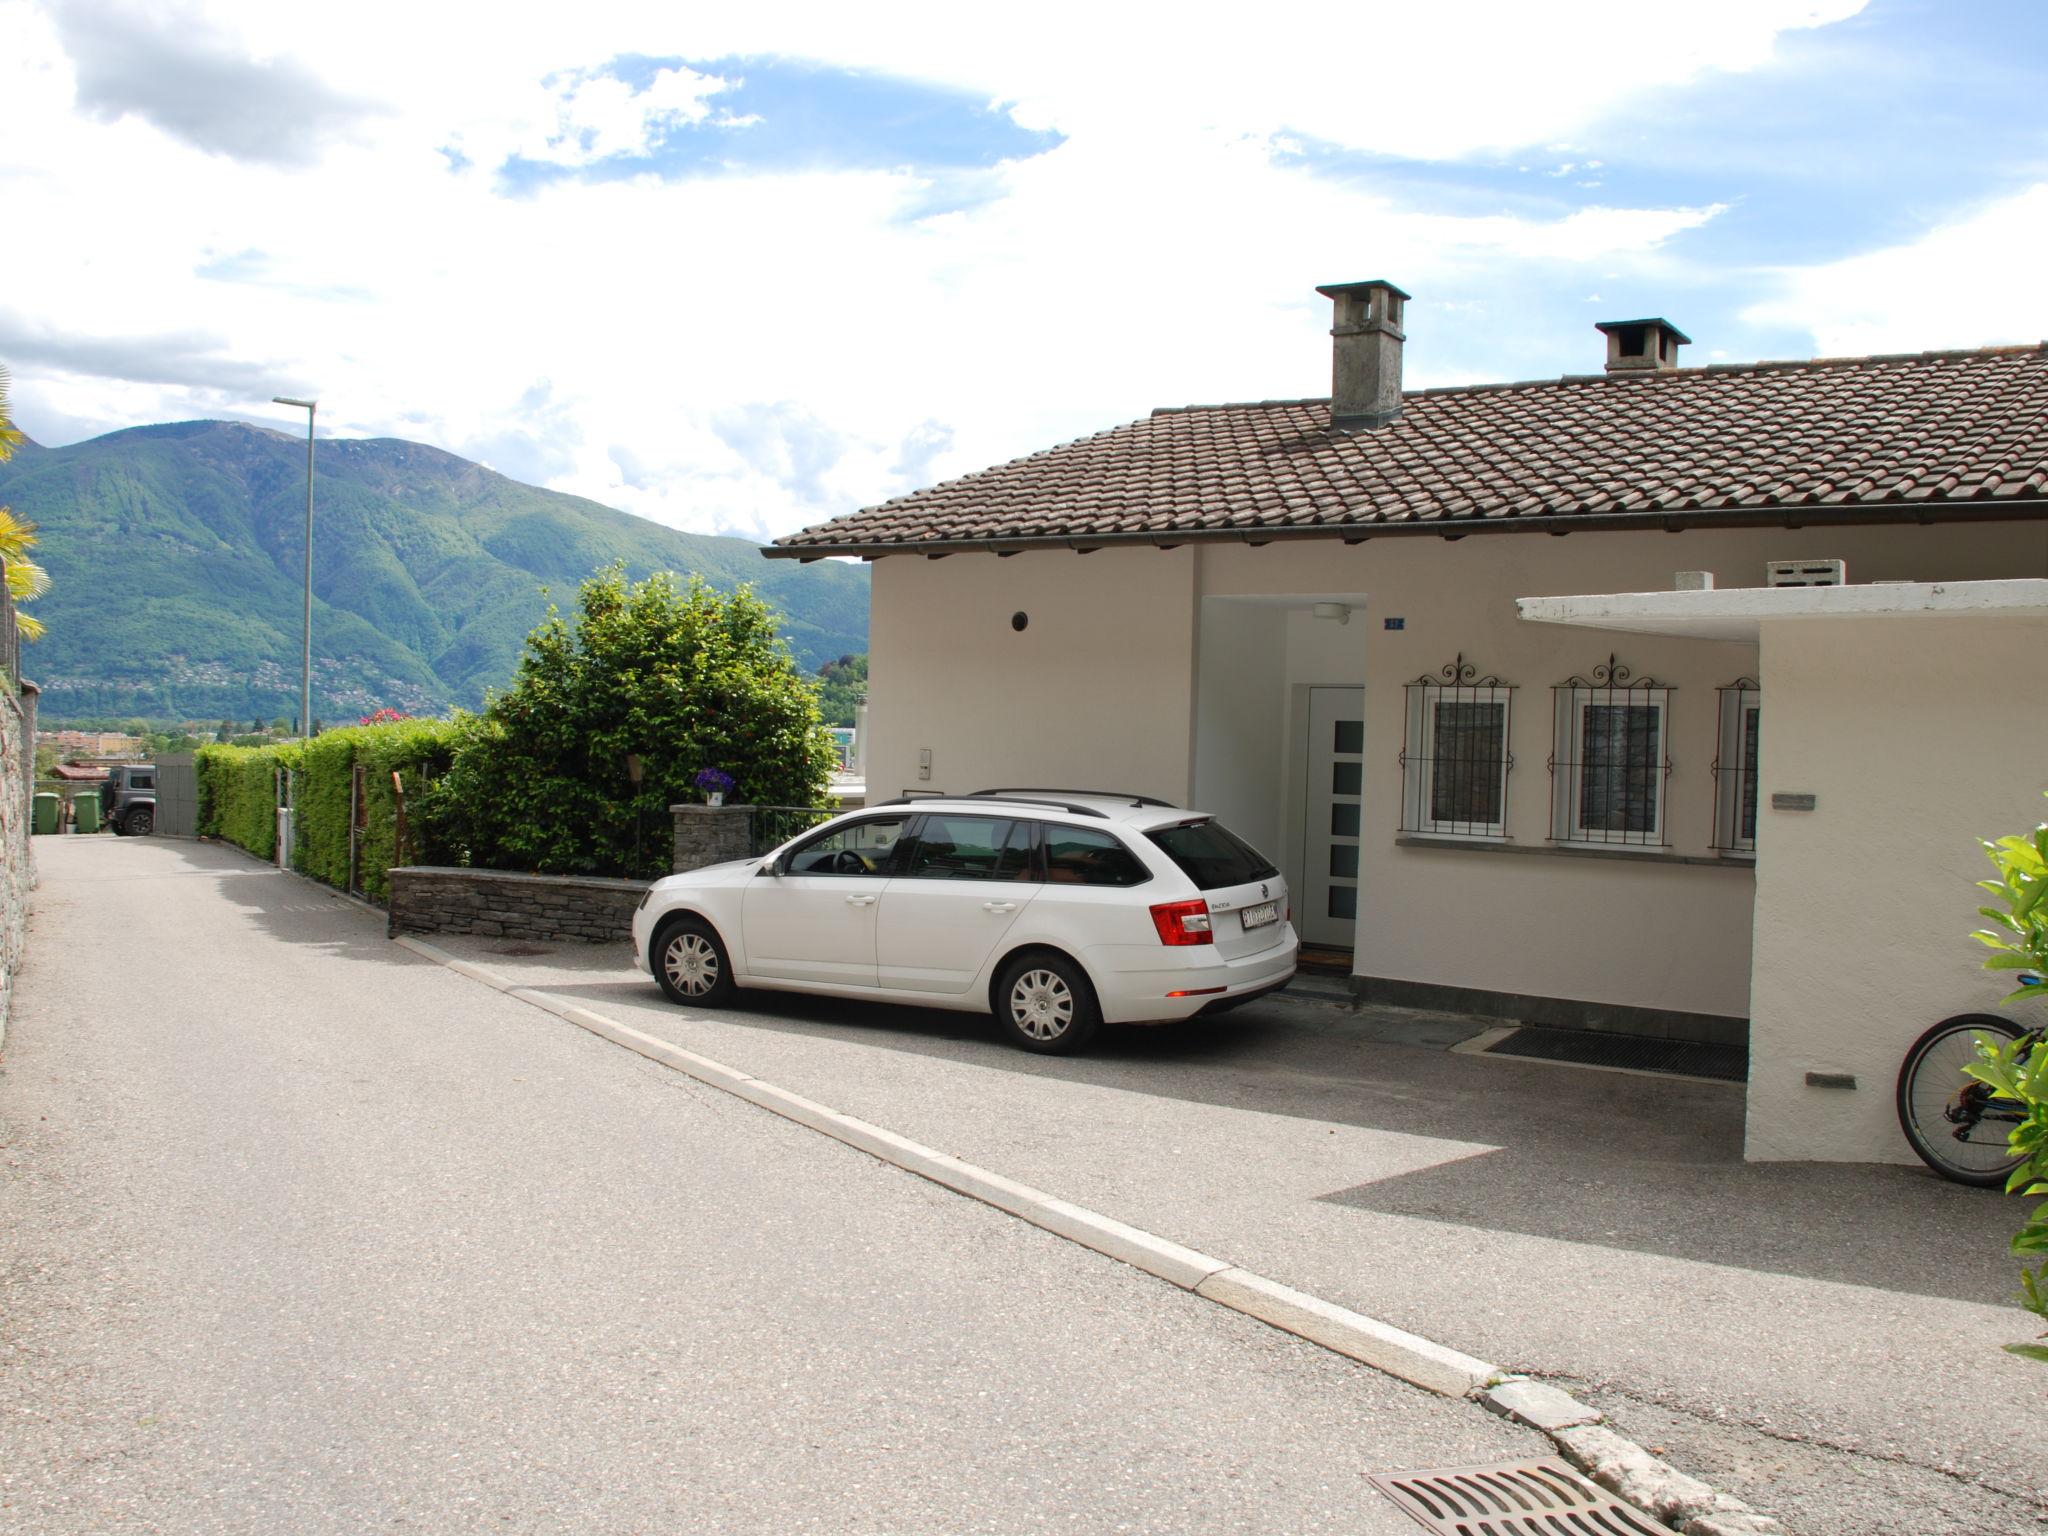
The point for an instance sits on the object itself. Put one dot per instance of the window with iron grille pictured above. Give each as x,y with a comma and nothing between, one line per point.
1735,767
1610,758
1454,753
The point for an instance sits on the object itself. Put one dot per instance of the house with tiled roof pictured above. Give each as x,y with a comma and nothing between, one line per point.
1485,670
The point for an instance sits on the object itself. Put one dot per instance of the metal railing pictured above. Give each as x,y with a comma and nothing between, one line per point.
770,826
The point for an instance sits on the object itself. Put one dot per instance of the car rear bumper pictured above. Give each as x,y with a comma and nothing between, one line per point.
1134,987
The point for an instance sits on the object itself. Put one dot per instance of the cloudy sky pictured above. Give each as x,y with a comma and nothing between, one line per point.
740,268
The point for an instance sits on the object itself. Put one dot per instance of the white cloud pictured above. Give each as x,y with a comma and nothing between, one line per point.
756,351
1972,282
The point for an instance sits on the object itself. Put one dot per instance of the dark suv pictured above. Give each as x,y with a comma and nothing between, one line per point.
129,800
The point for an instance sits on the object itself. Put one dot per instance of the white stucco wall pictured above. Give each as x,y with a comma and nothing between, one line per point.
1102,690
1097,692
1917,736
1243,679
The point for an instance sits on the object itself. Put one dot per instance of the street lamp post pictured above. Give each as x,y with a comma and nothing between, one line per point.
306,666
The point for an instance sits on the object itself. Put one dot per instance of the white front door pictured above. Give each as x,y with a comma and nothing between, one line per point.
1334,799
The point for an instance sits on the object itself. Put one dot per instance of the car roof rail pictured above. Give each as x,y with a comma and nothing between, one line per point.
1040,789
1068,806
1059,805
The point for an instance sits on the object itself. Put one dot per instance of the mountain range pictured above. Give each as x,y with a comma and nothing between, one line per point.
175,556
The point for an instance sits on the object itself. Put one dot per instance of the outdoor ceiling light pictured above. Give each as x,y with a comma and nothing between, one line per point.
1341,612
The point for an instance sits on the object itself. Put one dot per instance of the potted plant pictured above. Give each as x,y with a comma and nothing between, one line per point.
715,782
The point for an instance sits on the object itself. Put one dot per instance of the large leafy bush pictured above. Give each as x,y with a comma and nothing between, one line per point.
2018,1070
681,676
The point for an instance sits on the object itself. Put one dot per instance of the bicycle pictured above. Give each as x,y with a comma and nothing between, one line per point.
1952,1121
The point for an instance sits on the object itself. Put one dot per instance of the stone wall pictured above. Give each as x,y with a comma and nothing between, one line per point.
17,857
576,908
711,834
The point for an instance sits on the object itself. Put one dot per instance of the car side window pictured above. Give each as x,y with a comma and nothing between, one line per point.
144,781
855,849
970,848
1083,856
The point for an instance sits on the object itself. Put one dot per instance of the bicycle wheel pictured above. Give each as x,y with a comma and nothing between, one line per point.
1954,1124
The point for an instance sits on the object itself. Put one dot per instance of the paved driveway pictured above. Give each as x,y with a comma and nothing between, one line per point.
301,1233
1820,1340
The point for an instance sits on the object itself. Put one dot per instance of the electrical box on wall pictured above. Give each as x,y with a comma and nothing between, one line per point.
924,765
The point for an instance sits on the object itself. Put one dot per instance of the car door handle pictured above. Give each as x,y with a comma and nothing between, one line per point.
999,906
860,901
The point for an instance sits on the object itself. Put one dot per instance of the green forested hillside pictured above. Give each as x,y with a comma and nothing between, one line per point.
175,558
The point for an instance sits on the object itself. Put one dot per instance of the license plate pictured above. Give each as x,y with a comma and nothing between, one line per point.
1258,917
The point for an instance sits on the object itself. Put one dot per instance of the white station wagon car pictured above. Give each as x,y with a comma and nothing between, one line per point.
1058,910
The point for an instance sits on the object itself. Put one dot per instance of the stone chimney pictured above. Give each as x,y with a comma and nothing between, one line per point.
1642,346
1365,371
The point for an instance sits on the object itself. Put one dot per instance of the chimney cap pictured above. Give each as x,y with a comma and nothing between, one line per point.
1609,327
1332,290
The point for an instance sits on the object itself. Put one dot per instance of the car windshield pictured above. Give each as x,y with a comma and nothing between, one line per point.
1211,855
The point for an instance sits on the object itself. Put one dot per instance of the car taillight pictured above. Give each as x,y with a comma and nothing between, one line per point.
1183,922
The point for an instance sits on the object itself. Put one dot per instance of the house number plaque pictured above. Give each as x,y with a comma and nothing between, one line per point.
1780,801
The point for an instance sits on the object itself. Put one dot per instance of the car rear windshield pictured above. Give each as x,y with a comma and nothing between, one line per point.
1212,856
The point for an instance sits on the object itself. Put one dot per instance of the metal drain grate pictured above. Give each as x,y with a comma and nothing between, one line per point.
1515,1498
1601,1048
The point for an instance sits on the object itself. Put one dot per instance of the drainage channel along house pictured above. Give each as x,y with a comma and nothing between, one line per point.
1652,701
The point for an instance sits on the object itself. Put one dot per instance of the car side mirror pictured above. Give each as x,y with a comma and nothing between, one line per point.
777,867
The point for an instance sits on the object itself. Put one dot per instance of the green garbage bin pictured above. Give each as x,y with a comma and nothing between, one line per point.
43,819
85,810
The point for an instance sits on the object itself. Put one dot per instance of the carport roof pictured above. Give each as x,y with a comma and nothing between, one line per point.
1739,613
1912,437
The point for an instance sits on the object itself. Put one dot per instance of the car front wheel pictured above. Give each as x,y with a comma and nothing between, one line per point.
1045,1005
691,965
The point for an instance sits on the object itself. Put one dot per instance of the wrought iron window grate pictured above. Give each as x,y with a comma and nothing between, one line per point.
1610,759
1735,796
1454,753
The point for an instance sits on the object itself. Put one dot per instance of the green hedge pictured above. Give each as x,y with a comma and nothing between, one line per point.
238,794
238,798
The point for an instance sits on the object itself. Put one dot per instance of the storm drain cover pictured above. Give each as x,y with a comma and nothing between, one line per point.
1603,1048
1515,1498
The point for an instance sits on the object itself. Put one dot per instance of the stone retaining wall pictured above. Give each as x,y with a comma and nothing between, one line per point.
574,908
17,854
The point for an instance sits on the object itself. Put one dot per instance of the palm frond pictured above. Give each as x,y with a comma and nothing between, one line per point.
8,435
28,626
26,579
16,535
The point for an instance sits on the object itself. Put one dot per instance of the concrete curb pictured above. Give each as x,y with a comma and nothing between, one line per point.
1579,1432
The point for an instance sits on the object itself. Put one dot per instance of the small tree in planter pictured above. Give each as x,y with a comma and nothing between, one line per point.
676,674
2018,1069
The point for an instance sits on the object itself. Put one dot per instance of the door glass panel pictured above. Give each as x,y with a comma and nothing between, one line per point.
1350,737
1343,901
1343,861
1346,778
1343,821
860,848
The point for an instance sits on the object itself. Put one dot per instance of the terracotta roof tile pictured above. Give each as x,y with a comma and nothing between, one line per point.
1835,433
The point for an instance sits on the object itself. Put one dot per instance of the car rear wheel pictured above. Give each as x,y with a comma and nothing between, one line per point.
691,965
140,822
1045,1005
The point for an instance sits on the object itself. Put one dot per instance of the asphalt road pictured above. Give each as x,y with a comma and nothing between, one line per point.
1821,1341
300,1233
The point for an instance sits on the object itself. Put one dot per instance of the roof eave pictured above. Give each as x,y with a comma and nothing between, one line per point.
1556,524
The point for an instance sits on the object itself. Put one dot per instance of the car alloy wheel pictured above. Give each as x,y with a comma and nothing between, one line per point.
1042,1005
692,964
